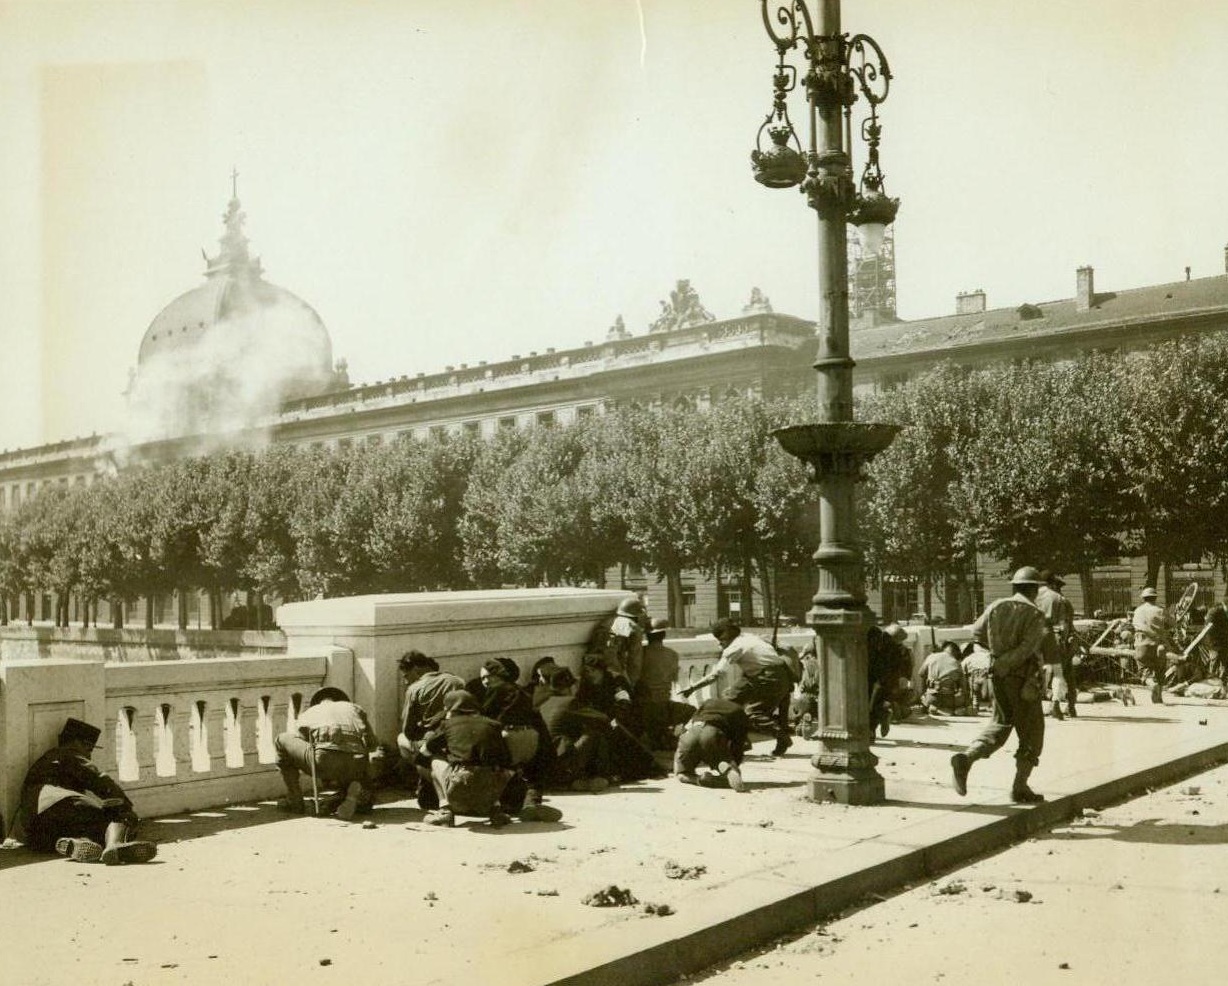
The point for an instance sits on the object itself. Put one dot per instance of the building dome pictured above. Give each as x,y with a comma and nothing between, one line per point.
227,353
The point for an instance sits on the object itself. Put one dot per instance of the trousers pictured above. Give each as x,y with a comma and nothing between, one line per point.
1013,711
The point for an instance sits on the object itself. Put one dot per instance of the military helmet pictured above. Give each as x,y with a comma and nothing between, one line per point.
1026,576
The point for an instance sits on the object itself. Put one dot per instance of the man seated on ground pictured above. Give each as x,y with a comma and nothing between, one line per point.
602,690
524,730
426,689
766,682
71,807
333,742
976,664
716,737
658,713
470,763
944,690
580,736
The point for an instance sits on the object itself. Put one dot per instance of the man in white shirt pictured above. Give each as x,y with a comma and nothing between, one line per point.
766,682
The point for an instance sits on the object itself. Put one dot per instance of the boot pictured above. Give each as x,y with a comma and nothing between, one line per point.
1057,711
1020,792
1157,694
1071,710
961,763
293,801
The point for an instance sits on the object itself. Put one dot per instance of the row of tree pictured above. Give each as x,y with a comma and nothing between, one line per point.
667,488
1063,465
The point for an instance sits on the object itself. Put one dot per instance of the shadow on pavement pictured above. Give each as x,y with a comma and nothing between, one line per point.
1150,831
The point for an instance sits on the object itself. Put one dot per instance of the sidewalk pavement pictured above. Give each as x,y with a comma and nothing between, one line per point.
246,895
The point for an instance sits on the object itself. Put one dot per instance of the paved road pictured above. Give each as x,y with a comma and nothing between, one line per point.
1132,894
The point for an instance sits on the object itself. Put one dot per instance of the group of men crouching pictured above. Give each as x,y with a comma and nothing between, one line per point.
488,748
492,747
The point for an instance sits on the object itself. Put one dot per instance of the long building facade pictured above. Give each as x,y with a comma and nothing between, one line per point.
758,353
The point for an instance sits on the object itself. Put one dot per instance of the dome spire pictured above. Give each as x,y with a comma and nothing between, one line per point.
233,259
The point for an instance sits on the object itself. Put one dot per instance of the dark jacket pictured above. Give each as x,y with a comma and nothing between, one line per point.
469,740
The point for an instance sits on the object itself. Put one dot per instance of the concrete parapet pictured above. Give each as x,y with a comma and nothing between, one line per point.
459,629
107,644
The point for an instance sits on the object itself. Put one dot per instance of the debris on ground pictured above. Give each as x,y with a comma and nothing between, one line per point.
326,961
951,888
430,895
660,910
520,866
611,896
1023,896
368,825
676,871
767,823
546,893
1191,789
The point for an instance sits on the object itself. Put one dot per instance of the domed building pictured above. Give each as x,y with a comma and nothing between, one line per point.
228,353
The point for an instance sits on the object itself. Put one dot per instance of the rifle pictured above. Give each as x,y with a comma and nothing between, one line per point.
776,627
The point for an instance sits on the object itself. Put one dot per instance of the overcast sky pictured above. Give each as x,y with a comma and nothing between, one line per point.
453,181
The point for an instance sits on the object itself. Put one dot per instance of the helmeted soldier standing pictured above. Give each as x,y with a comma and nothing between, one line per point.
1013,629
1059,615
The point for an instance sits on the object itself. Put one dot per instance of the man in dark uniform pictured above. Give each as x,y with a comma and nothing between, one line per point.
1014,632
335,732
471,763
68,805
715,737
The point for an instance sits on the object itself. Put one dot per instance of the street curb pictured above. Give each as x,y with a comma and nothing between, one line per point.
750,911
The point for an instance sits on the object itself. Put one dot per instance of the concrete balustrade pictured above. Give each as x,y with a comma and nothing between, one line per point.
698,655
179,735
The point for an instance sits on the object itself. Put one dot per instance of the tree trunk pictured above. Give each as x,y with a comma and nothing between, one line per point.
1089,590
182,602
673,596
29,609
117,614
4,610
927,596
1153,570
149,612
748,591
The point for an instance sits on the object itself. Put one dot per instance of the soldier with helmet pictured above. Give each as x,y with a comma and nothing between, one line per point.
1151,637
1013,630
1059,615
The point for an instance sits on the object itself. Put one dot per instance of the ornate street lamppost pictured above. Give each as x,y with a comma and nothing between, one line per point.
839,69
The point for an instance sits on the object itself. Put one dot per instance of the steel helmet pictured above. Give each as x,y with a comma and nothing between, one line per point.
1149,593
1026,576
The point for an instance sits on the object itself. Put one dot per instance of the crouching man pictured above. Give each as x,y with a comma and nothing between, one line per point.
333,742
68,805
716,737
471,763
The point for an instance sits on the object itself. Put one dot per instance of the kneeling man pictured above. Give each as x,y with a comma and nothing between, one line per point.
333,742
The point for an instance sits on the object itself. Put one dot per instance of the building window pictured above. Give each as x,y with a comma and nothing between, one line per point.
405,436
438,431
507,424
375,439
545,419
1177,582
345,444
473,428
899,599
586,411
688,605
1110,595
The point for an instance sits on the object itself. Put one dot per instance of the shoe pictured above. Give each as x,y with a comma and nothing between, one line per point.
711,780
687,779
442,817
734,776
782,746
290,807
884,724
1057,712
349,805
79,850
1026,796
499,818
1157,694
960,765
539,813
1072,711
129,852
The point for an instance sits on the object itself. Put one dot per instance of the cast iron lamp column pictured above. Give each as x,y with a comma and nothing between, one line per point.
839,68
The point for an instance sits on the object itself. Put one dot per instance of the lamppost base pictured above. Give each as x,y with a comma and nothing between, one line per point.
847,789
